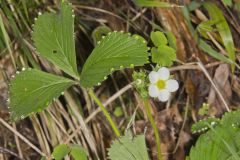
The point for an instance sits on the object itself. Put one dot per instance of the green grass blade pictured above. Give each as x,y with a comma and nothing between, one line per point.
208,49
151,3
7,40
223,29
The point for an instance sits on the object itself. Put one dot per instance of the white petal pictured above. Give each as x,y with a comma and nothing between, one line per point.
153,91
172,85
164,95
153,77
164,73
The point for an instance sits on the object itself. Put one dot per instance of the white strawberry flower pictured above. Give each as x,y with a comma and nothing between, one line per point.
161,85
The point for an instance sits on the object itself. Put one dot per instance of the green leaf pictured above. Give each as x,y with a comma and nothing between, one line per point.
163,55
223,29
53,35
116,51
151,3
129,148
158,38
220,143
193,5
227,2
231,119
78,152
203,110
206,26
171,40
99,32
60,151
118,112
32,90
208,49
203,125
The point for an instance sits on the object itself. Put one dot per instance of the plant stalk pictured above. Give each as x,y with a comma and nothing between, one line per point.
105,112
154,126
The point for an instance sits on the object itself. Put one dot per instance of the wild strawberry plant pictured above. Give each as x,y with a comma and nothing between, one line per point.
32,90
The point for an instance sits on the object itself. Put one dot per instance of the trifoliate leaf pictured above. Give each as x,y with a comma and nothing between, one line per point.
60,151
158,38
78,152
32,90
116,51
129,148
163,55
53,35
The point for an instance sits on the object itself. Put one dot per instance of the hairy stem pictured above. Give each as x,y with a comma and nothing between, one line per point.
105,112
154,126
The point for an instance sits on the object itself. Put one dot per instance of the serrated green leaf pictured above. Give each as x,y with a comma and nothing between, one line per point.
129,148
151,3
203,125
32,90
223,29
158,38
53,35
116,51
78,152
220,143
231,119
60,151
163,55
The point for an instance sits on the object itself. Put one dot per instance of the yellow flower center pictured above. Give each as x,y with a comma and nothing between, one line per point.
161,84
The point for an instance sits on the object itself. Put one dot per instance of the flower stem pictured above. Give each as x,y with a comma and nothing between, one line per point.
154,126
105,112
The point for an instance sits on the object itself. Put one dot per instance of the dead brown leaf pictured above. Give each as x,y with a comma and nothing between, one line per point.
221,79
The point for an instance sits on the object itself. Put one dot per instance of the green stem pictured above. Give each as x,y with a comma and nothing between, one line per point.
105,112
154,126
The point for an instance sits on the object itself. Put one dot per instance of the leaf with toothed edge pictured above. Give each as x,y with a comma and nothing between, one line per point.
231,119
115,51
53,36
129,148
202,125
32,90
221,141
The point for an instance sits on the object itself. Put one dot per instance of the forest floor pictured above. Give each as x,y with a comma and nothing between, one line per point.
196,72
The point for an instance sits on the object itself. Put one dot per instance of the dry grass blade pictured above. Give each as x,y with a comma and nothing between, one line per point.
22,137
